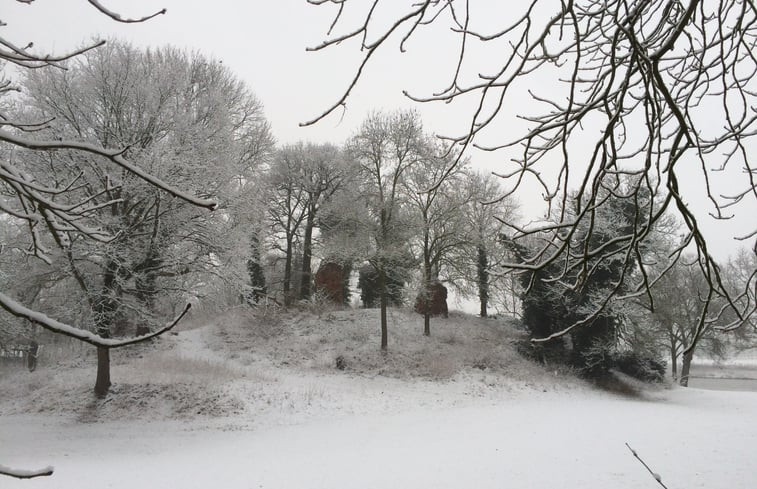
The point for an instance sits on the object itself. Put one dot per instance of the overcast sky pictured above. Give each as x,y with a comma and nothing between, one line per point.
264,43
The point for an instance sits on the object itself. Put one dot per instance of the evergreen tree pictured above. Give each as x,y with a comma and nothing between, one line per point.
368,282
255,271
577,301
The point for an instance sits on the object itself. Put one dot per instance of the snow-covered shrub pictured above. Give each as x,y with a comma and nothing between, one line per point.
266,323
319,303
368,284
170,368
451,337
439,366
551,353
642,366
593,359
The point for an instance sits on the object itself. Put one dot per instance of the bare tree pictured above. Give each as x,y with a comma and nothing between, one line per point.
438,206
287,208
35,203
179,116
678,297
385,147
638,87
481,263
322,174
678,300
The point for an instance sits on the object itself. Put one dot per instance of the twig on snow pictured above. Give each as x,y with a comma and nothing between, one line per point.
656,476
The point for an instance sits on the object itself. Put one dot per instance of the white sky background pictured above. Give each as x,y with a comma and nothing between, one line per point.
264,43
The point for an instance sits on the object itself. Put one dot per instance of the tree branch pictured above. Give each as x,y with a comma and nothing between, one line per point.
117,17
25,474
113,155
18,310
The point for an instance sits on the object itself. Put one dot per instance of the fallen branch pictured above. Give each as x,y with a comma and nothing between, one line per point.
656,476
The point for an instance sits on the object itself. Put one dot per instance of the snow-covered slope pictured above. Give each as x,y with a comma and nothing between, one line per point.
281,368
248,401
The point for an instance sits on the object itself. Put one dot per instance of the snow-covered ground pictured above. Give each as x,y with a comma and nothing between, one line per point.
692,438
247,407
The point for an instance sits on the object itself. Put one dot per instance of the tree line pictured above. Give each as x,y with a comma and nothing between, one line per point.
89,242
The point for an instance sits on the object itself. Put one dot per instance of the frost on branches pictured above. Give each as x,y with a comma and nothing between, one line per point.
645,101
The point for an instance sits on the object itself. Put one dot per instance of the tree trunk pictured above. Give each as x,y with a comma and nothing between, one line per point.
383,300
288,274
106,308
147,271
146,279
483,280
307,257
427,295
674,360
102,384
685,368
382,277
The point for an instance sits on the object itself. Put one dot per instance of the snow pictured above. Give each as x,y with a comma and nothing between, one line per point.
693,439
284,417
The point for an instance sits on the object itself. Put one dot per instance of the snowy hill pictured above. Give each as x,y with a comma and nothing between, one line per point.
281,367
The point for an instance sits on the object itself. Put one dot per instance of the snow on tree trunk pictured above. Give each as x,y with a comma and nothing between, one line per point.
427,292
307,256
685,368
483,280
674,360
383,299
288,273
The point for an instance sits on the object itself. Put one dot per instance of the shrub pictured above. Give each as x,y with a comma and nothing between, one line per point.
551,353
641,366
368,284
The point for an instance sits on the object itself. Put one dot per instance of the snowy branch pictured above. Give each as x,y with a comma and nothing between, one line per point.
113,155
25,59
117,17
55,326
25,474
